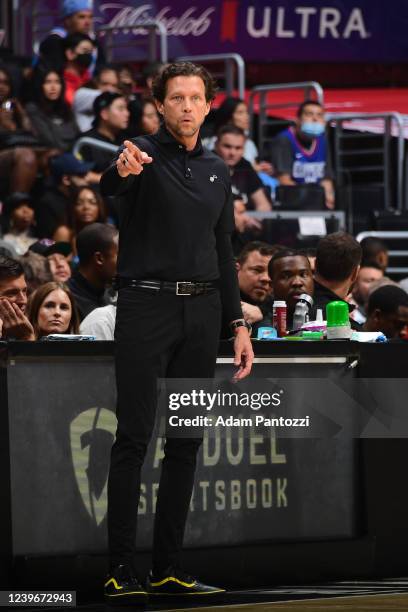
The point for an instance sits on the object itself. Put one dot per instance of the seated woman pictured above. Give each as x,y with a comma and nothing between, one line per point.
87,207
52,310
22,154
54,121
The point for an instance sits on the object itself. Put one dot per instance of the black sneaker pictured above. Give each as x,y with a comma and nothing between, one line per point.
176,582
122,587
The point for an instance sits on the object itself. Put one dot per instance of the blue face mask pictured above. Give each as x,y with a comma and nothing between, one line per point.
312,128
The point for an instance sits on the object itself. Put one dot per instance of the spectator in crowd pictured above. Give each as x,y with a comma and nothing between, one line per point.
245,181
57,254
68,174
21,152
300,154
111,118
367,275
100,323
37,270
127,82
291,275
52,310
85,208
97,248
374,251
78,55
13,301
77,19
21,231
146,120
255,283
150,71
387,311
234,111
52,117
105,80
17,162
12,114
338,259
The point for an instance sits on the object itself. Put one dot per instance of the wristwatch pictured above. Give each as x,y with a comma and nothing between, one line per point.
241,323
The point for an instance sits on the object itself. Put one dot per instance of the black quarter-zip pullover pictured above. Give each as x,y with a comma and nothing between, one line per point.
176,217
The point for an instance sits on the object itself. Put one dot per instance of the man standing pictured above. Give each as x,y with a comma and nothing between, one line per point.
175,263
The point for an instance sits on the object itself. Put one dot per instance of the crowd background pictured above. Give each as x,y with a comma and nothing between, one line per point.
59,236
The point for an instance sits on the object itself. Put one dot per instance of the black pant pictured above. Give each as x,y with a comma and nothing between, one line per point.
157,334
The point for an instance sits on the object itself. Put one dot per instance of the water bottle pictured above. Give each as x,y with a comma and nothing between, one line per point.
301,315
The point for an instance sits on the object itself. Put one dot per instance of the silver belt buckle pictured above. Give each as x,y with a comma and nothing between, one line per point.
180,290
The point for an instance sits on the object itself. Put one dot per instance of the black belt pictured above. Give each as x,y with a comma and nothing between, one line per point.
178,287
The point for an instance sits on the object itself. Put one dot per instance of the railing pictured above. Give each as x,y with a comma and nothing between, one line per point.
42,21
232,62
337,120
311,90
92,142
387,235
152,26
338,215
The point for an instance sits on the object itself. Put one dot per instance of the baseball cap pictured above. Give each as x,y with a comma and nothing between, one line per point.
103,101
47,247
68,164
69,7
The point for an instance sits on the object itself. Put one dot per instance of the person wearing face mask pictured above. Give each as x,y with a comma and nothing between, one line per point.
77,18
300,153
78,59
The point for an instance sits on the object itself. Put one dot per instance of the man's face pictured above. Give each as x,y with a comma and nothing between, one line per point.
184,108
253,276
392,324
80,22
231,148
312,113
116,115
366,277
59,267
15,290
108,81
291,276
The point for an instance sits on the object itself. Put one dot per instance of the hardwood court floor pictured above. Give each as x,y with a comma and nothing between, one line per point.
358,603
386,595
